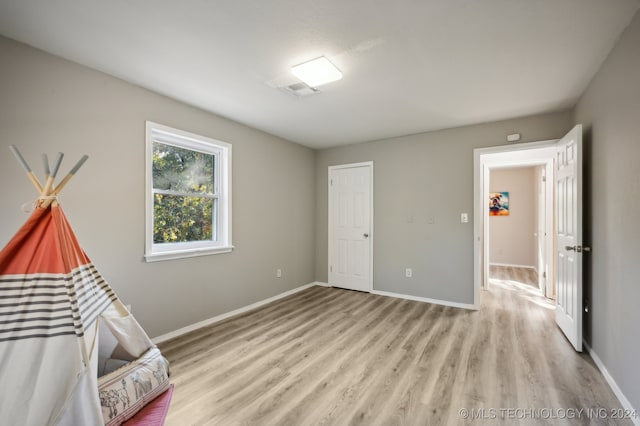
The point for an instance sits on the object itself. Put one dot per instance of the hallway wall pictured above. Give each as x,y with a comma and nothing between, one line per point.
512,238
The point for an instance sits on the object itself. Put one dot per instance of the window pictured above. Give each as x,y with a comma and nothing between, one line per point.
188,194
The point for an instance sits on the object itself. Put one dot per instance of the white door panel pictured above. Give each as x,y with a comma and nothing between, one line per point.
569,236
350,240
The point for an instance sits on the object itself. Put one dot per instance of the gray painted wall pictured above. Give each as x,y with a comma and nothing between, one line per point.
50,105
416,177
280,197
511,238
610,112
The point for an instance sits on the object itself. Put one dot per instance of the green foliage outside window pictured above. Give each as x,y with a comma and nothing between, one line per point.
184,202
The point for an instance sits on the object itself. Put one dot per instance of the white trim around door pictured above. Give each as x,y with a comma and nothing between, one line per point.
564,157
525,154
361,236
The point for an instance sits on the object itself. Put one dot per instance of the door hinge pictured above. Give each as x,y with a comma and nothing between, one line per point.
544,178
331,268
331,182
544,274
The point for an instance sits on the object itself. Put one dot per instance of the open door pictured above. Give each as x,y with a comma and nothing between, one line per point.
569,236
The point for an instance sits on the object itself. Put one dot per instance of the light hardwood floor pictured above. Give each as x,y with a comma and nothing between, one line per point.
337,357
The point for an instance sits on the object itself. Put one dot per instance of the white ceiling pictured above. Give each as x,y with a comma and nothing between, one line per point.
409,65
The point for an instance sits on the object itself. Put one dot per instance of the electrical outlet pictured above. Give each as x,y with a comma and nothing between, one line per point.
408,273
278,273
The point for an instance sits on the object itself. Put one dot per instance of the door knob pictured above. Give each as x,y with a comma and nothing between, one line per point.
365,235
578,249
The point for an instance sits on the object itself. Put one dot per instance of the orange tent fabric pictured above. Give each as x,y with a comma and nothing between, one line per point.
44,244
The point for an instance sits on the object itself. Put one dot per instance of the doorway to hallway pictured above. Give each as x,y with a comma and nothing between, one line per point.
563,162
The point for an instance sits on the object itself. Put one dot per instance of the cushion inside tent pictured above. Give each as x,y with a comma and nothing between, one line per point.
126,390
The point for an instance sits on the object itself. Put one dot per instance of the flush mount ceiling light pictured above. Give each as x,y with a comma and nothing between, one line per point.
317,72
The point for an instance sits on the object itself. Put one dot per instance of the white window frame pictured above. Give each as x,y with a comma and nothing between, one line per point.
222,221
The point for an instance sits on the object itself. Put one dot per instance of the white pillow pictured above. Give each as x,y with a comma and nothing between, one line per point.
125,391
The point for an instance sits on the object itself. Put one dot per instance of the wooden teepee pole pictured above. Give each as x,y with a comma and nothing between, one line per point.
64,181
48,191
32,177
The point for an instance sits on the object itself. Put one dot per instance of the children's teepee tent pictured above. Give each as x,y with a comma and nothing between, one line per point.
54,304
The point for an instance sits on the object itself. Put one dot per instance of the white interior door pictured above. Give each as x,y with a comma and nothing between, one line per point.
350,226
569,236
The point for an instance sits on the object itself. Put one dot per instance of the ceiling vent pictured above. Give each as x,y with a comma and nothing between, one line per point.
291,85
300,89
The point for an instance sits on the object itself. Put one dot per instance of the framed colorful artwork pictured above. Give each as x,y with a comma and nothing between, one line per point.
498,204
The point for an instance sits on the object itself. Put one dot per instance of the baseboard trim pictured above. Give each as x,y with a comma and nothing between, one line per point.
415,298
512,265
184,330
218,318
426,300
612,383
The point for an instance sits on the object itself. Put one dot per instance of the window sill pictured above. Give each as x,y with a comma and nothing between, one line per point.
180,254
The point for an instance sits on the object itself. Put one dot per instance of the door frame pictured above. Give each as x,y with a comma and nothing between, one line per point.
524,154
369,165
545,231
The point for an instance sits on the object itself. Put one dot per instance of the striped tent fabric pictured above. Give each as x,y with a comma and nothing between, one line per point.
51,297
49,286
